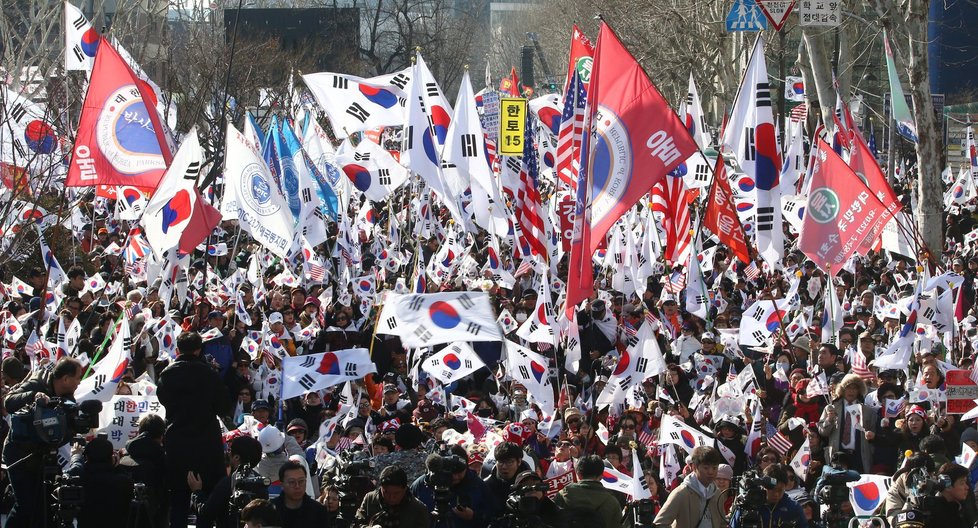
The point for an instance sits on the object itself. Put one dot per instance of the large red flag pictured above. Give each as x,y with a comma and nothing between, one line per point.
841,211
720,215
864,164
637,139
120,138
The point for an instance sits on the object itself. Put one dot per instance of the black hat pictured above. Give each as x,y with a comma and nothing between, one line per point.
597,306
261,404
408,436
393,476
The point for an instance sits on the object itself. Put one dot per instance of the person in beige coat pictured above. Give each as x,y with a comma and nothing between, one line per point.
696,503
857,439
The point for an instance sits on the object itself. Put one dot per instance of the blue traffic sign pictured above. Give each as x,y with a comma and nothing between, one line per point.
746,15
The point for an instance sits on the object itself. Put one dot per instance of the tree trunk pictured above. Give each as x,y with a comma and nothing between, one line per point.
819,46
930,213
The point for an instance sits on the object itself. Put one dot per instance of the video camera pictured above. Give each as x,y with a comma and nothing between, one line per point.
924,489
834,490
350,473
246,486
54,422
441,467
752,489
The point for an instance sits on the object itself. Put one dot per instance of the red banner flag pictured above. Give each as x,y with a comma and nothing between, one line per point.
581,58
120,139
841,211
637,139
720,215
864,164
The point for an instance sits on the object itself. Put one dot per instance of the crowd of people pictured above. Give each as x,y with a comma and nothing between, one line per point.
771,423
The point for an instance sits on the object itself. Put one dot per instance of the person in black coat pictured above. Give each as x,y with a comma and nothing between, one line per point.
98,471
297,509
509,463
146,453
194,398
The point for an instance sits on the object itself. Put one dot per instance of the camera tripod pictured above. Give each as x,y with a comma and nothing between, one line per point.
59,499
139,516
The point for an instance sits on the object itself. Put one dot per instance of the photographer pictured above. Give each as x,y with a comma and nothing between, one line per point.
528,505
392,504
109,488
696,502
146,452
462,493
779,510
297,509
22,458
212,509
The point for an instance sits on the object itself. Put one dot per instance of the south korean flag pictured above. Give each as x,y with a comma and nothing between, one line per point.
426,319
452,363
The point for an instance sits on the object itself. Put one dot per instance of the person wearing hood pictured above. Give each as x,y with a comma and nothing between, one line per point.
696,503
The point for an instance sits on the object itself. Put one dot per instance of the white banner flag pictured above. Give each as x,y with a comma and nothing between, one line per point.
425,319
673,431
303,374
452,363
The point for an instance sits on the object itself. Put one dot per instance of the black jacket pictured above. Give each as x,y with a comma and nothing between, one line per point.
22,394
194,398
310,515
151,471
107,494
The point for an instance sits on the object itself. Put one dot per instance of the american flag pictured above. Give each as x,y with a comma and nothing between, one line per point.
570,131
676,282
646,438
859,366
799,113
780,443
671,198
528,208
752,271
525,266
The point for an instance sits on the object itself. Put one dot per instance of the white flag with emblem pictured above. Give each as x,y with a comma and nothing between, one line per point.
253,198
533,371
304,374
672,431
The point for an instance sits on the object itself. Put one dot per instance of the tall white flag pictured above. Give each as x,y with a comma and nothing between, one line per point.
253,198
81,40
751,138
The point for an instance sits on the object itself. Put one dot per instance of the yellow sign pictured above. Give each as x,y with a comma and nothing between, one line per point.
512,126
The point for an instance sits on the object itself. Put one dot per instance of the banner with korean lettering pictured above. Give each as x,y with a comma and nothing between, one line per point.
119,419
559,482
721,214
512,126
840,213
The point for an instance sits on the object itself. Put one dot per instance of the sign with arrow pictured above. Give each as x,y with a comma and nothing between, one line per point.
776,11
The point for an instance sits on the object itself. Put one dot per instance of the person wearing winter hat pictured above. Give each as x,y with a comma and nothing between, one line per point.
273,455
572,419
410,455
